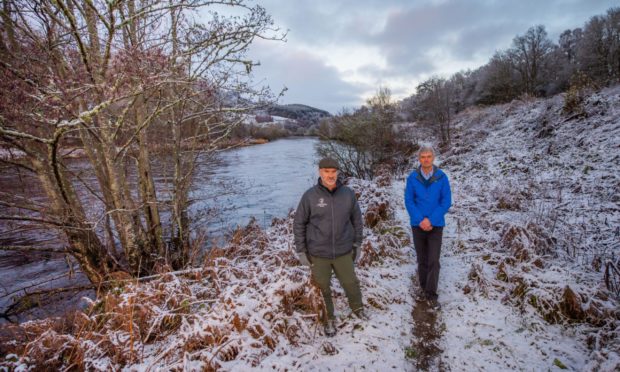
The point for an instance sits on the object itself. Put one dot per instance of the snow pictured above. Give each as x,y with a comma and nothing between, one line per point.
250,119
500,155
498,336
531,213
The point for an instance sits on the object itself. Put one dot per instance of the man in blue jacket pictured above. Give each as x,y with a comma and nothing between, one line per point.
428,198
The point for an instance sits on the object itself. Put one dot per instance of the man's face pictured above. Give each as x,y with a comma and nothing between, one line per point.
328,176
426,159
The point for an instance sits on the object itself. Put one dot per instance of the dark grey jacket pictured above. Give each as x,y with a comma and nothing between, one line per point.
327,224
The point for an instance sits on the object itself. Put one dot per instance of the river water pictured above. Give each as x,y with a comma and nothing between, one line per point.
261,181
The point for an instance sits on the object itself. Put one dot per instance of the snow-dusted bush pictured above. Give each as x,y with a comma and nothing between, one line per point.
250,299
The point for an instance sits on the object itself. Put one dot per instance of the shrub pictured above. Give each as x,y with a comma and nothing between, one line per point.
365,140
580,87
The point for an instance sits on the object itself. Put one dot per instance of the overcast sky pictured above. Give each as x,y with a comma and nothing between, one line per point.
339,52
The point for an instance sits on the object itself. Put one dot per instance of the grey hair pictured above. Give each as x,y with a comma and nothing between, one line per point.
424,149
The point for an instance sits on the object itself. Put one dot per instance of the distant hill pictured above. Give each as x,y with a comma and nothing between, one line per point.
305,115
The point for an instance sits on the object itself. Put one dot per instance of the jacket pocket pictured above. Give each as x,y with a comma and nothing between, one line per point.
314,236
347,234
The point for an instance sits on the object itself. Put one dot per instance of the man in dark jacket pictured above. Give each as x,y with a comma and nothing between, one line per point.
428,198
328,236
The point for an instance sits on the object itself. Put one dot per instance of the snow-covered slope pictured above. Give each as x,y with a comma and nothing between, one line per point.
535,219
250,306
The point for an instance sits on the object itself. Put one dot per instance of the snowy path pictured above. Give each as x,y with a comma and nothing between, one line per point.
375,345
480,333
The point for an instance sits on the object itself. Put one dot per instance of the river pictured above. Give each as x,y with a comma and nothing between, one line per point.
261,181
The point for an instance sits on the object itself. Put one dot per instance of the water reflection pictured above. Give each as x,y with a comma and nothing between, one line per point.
263,181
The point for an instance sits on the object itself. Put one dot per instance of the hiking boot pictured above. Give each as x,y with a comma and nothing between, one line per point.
330,329
433,304
361,314
419,294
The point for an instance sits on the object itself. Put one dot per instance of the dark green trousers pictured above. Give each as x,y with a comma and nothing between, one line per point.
343,267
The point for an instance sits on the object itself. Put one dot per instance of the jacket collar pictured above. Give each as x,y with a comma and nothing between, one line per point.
437,174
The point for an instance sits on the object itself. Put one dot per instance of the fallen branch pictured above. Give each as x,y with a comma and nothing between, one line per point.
33,299
32,248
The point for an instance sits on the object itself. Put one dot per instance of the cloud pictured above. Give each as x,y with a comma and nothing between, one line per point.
308,78
339,52
421,39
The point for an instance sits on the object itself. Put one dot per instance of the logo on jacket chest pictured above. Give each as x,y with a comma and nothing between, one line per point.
322,203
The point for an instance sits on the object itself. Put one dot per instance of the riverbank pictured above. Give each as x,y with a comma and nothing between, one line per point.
251,304
78,152
227,193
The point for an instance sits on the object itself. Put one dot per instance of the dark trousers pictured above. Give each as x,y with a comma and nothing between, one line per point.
322,269
428,248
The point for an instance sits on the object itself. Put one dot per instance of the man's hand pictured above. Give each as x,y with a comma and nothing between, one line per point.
426,224
355,254
303,258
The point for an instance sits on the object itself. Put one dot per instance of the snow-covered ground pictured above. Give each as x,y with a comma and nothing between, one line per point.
481,333
535,215
251,306
534,221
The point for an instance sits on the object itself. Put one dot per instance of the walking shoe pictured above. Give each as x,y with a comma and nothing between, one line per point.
330,329
433,304
419,294
361,314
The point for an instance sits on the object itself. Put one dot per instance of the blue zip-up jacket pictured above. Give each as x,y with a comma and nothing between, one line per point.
428,198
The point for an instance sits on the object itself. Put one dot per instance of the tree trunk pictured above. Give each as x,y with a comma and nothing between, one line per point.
124,212
84,245
147,188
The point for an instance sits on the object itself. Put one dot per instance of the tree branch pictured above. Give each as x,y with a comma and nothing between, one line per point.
31,248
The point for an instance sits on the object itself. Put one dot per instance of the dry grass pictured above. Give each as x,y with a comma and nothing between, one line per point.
524,254
247,298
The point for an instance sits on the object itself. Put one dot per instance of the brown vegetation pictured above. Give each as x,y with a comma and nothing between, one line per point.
246,299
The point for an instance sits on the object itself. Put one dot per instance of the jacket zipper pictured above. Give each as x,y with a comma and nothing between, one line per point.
333,228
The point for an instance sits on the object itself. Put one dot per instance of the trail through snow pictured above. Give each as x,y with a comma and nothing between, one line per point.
478,333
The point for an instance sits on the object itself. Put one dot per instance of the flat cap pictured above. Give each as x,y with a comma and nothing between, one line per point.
328,163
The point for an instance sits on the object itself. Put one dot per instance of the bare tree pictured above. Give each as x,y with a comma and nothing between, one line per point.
436,105
126,81
528,55
598,51
364,139
498,82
